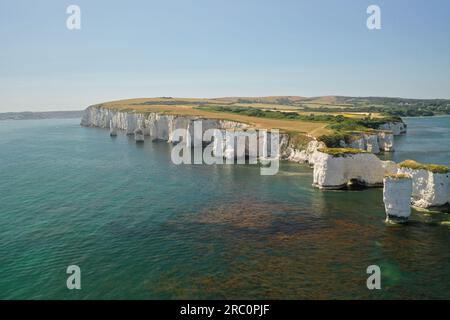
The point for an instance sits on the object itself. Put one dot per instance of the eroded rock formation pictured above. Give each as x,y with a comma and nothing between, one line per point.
157,126
162,127
375,142
139,135
334,168
397,197
397,128
430,184
306,154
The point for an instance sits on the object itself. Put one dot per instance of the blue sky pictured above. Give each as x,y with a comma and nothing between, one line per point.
212,48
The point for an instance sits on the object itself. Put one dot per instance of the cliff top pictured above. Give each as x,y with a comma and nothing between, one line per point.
435,168
341,152
398,176
287,113
200,108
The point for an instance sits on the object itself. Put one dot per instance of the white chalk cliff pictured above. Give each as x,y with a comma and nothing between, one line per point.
429,189
291,152
397,197
377,141
336,171
162,127
397,128
371,142
112,130
156,126
235,144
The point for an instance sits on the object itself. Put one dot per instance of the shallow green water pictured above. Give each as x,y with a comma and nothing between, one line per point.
142,228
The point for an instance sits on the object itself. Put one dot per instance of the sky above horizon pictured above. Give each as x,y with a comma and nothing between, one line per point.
212,48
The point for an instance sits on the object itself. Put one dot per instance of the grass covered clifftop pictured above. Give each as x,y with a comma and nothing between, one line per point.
398,176
289,114
205,108
341,152
341,127
435,168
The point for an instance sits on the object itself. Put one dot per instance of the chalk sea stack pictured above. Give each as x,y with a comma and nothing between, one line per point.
139,135
335,168
430,184
397,197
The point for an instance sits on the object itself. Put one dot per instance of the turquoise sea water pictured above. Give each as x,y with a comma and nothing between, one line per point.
140,227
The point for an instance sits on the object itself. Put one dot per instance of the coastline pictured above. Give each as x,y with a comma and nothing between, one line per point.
149,226
41,115
354,162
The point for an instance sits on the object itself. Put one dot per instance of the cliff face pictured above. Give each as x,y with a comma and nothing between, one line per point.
429,189
335,172
386,141
157,126
162,127
375,143
237,144
397,128
397,197
291,152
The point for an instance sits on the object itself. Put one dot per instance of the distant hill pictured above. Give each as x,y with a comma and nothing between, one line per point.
386,106
40,115
390,106
399,107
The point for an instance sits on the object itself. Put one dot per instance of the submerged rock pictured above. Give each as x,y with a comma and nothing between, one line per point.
397,197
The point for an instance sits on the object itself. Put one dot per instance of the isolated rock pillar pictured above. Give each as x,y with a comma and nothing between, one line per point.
397,197
139,135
